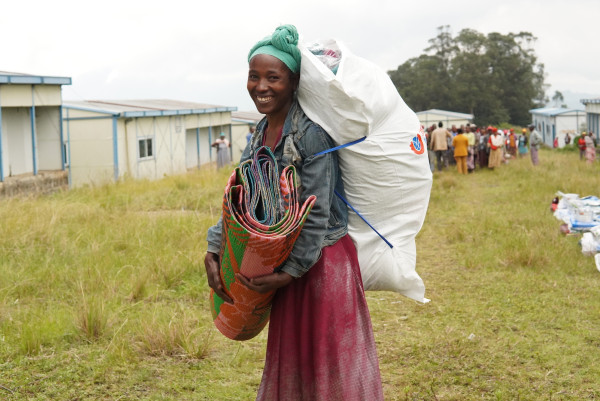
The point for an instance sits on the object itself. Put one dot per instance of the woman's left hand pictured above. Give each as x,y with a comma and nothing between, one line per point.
264,284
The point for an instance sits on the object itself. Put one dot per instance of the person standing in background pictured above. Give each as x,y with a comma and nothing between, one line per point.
496,143
439,143
470,134
222,146
249,134
512,143
581,145
535,140
460,143
523,143
590,149
484,147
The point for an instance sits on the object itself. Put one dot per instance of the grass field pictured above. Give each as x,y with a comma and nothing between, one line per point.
103,295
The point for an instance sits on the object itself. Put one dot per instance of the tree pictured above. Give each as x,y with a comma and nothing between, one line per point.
558,99
496,77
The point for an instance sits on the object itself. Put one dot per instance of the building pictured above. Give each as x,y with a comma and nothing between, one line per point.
241,121
592,109
553,122
448,118
142,139
31,136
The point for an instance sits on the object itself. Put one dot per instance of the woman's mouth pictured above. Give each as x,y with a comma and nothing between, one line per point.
264,99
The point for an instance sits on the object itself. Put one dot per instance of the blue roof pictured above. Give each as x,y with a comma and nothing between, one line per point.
27,79
554,111
145,107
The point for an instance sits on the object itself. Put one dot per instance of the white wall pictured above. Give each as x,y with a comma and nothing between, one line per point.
238,139
168,136
16,141
91,153
47,126
560,125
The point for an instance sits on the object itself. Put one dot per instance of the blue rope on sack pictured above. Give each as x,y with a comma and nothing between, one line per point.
342,198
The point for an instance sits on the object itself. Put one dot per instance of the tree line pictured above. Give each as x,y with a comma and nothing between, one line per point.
495,77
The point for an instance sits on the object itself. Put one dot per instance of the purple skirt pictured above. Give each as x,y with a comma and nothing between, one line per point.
321,345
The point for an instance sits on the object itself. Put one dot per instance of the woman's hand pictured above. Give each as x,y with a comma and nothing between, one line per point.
264,284
211,263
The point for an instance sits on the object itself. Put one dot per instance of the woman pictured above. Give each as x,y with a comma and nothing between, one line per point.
320,344
460,143
523,143
484,148
496,142
590,149
222,146
581,145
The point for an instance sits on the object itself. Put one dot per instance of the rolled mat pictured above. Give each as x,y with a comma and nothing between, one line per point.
262,219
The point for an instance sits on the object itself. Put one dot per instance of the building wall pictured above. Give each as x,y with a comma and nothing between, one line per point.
168,137
593,124
17,151
47,95
557,126
593,118
178,142
49,152
210,126
22,95
238,138
91,148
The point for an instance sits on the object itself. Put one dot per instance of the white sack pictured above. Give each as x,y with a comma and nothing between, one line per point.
387,177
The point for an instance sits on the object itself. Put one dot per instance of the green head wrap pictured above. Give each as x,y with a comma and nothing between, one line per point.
283,44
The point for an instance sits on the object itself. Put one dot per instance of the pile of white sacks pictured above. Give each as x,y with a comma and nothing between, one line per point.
582,215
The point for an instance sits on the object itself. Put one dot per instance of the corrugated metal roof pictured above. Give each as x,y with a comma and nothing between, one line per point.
247,116
590,101
554,111
146,107
28,79
447,113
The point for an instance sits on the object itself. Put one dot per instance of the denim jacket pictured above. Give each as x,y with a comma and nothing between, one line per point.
318,175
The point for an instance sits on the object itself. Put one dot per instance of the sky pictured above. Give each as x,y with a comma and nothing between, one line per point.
197,50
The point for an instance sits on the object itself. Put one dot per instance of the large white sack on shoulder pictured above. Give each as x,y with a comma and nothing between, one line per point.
389,185
349,104
387,177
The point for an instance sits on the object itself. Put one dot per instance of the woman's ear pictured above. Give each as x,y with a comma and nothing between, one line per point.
295,80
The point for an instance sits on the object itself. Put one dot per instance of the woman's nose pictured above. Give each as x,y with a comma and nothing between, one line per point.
262,84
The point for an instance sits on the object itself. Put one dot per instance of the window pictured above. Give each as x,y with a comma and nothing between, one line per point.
145,148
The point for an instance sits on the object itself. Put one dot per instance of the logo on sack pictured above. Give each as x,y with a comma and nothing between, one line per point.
416,145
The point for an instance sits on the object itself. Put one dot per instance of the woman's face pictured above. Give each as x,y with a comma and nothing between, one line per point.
271,85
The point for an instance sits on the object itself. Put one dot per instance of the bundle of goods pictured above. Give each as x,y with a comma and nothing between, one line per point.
579,214
590,241
386,176
262,219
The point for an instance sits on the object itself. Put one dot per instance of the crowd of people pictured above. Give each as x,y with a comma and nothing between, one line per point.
469,146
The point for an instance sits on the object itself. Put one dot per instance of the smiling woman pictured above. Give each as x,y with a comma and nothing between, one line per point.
320,344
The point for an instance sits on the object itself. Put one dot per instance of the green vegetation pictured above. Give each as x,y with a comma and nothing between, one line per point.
103,295
495,77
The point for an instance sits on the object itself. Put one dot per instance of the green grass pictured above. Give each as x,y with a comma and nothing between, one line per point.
103,295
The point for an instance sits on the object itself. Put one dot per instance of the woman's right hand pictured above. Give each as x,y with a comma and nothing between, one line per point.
211,263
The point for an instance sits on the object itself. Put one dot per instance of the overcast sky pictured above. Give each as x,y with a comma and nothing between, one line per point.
196,50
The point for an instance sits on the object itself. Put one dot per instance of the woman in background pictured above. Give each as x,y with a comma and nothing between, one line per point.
590,149
222,146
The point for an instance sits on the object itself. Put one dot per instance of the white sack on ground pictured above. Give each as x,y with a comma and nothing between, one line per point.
386,177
